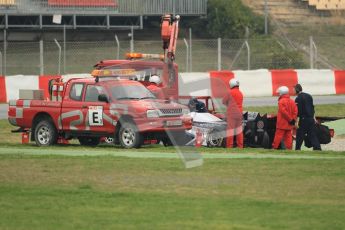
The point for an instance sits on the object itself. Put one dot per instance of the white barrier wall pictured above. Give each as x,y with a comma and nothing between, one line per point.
253,83
17,82
317,82
194,84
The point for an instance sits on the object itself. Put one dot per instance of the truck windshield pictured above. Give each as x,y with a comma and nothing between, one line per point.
127,92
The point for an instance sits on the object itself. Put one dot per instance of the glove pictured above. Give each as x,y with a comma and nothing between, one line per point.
292,122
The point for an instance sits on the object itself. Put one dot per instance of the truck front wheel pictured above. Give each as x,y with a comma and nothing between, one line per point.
129,136
45,133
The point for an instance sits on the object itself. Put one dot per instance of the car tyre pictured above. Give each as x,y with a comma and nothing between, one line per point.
215,138
166,142
45,133
129,136
266,144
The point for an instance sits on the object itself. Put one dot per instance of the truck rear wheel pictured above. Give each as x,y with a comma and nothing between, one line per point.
45,133
89,141
129,136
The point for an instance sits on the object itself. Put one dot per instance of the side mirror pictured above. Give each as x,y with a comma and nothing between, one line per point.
103,97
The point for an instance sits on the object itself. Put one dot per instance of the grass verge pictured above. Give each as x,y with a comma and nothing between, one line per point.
334,110
59,192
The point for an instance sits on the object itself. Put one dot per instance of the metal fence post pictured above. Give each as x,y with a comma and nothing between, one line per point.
315,54
311,52
4,66
64,48
190,51
132,40
187,55
174,7
58,45
248,53
41,58
266,17
118,47
219,53
0,63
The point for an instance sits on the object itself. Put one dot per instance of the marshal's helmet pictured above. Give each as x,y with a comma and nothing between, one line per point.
282,90
234,83
155,79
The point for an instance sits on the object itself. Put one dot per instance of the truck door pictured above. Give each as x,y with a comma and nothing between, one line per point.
72,118
96,113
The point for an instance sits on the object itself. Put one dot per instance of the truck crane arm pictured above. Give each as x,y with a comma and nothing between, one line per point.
169,33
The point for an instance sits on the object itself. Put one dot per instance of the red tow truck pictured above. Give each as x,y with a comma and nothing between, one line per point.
91,108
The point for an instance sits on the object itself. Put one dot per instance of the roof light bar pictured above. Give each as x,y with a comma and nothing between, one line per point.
142,55
112,72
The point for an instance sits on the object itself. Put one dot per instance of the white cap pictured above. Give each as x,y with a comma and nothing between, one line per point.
155,79
282,90
233,83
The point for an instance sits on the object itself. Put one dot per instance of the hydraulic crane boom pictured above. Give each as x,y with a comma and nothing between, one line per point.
169,33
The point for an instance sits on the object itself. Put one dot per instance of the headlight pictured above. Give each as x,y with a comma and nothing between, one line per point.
152,113
185,111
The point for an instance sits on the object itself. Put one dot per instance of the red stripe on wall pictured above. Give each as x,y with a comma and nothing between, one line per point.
3,97
43,82
339,81
283,78
220,82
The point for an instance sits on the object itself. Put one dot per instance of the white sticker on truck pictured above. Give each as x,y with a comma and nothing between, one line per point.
96,115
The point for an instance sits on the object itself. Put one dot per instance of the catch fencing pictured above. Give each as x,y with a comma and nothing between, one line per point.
59,57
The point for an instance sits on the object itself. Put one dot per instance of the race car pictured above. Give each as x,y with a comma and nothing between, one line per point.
259,130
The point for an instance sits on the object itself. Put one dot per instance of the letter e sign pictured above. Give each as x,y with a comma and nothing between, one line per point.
96,115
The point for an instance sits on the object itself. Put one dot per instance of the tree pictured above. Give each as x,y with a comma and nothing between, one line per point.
227,19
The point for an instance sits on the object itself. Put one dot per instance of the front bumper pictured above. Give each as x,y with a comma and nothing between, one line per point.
164,124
